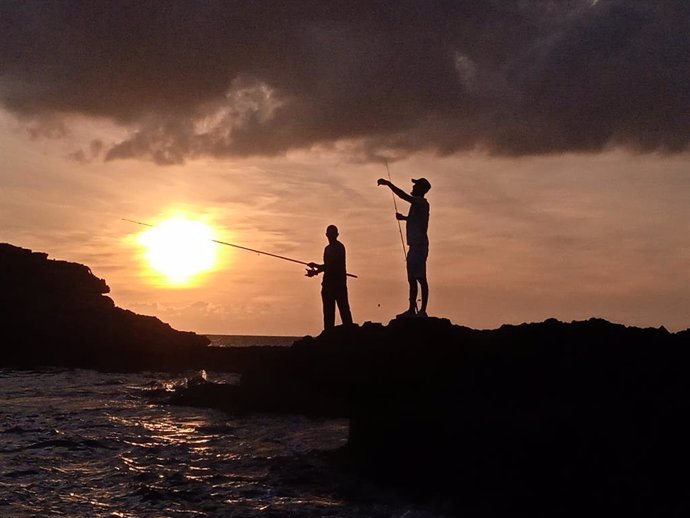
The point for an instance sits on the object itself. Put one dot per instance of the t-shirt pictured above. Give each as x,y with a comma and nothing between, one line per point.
418,222
334,271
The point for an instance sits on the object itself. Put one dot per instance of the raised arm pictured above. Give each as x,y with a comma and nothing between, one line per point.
396,190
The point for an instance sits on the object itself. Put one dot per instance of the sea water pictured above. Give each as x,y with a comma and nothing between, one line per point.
248,340
84,443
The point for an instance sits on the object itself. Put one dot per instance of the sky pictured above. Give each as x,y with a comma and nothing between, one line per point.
554,134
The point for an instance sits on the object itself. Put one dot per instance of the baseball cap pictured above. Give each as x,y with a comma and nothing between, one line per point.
423,183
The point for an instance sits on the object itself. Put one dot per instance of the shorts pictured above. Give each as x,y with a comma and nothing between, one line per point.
416,262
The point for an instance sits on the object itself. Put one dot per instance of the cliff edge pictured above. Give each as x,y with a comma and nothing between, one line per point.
57,313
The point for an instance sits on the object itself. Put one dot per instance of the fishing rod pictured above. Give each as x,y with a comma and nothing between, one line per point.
402,239
395,206
260,252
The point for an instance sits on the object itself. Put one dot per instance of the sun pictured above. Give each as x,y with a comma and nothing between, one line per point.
179,249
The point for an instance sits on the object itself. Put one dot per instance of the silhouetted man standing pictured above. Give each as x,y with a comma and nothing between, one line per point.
417,241
334,284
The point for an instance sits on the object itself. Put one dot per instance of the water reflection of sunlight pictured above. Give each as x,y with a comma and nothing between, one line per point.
82,499
192,451
167,428
159,440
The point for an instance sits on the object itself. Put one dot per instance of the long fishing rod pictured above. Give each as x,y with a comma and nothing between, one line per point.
402,239
240,247
395,206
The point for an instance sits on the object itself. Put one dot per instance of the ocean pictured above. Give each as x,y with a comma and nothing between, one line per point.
83,443
249,340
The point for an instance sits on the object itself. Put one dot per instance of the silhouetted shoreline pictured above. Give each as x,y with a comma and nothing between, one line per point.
56,313
549,418
546,418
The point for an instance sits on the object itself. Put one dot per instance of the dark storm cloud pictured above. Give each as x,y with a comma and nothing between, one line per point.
191,78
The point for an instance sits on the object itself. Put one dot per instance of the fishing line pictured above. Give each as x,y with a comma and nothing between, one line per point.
395,206
402,239
240,247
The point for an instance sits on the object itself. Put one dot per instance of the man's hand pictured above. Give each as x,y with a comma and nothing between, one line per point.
383,181
400,217
313,270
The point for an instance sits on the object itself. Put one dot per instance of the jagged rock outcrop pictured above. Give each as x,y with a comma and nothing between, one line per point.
57,313
549,418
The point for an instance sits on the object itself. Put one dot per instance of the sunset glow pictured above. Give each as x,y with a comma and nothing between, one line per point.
179,249
558,152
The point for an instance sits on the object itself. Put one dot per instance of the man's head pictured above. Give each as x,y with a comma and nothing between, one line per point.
332,232
420,186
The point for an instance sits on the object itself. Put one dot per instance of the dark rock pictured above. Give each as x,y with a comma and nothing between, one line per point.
548,418
56,313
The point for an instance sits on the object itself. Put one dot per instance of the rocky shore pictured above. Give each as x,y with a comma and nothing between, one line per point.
542,419
549,418
57,313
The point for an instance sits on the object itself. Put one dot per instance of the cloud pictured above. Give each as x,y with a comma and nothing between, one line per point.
246,78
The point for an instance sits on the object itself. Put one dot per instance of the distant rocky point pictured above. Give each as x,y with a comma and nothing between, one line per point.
56,313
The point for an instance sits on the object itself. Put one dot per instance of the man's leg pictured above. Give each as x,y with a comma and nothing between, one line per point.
344,307
423,253
425,294
328,308
412,266
413,294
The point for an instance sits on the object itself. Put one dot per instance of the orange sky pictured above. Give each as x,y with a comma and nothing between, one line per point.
555,136
512,240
